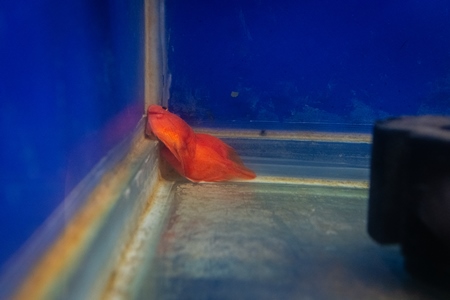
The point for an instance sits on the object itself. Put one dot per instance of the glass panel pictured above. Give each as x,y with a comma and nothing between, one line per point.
285,63
274,241
71,87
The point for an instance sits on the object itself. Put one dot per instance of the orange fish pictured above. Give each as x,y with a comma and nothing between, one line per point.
196,156
172,131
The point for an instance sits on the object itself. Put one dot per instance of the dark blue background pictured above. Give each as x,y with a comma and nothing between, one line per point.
71,86
308,61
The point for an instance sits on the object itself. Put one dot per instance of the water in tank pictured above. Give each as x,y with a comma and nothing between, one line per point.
293,86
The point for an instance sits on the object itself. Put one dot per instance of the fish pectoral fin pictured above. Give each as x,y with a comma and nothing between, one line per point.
167,154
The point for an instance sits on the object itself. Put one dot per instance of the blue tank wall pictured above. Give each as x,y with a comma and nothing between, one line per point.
308,61
71,86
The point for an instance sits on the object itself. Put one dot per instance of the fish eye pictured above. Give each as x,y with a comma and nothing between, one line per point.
163,107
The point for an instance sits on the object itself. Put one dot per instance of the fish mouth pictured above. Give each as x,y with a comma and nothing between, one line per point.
156,110
156,114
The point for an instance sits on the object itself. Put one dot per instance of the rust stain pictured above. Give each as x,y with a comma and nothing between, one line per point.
48,274
290,135
156,74
361,184
129,257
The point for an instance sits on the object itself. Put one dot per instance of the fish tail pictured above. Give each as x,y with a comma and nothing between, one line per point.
245,173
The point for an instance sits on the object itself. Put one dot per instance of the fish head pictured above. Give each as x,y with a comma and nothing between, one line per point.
171,130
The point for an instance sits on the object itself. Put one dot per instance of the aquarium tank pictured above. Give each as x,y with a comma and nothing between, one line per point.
91,210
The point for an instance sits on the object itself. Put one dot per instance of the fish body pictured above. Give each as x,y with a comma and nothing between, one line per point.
173,132
196,156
